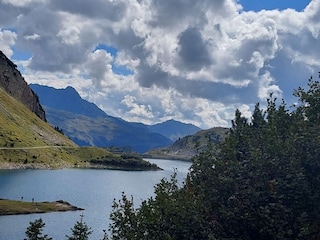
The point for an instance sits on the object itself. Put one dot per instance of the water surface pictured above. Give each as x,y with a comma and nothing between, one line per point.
91,189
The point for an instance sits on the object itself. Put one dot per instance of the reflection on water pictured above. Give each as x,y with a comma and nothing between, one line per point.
93,190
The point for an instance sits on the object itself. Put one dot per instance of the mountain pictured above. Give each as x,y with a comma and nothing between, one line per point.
174,130
14,84
187,147
87,125
67,99
28,141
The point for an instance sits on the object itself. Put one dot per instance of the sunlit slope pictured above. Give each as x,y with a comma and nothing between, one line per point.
26,139
189,146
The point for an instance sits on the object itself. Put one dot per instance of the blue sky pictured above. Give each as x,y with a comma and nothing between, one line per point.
151,61
251,5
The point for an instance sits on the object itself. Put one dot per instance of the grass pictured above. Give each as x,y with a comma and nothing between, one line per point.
19,128
188,146
11,207
28,142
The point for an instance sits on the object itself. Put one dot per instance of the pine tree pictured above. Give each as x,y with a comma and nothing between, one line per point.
34,231
80,230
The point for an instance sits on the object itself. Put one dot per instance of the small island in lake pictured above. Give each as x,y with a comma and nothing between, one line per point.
126,162
13,207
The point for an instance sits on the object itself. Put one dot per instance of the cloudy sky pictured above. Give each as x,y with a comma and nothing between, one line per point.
153,60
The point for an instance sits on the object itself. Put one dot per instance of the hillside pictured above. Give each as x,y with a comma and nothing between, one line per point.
25,138
88,125
187,147
14,84
66,99
174,129
103,132
28,141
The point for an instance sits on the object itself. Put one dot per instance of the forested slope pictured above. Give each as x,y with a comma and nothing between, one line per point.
262,182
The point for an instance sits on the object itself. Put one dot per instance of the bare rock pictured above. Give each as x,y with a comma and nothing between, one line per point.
12,82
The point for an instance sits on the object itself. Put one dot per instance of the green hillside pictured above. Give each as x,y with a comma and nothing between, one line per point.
187,147
28,142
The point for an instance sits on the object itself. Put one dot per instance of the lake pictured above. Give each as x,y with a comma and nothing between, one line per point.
91,189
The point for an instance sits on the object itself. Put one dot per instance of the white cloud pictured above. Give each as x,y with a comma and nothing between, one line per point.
22,3
7,39
194,61
135,109
33,36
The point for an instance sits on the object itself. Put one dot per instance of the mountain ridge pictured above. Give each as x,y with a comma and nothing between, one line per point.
14,84
174,129
29,142
86,124
189,146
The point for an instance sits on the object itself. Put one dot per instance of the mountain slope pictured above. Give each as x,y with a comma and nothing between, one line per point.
67,99
25,138
188,146
107,131
174,130
14,84
28,141
87,125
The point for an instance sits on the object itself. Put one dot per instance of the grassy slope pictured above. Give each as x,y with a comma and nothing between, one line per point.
10,207
21,129
187,147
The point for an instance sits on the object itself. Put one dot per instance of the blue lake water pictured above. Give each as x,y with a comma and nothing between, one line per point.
93,190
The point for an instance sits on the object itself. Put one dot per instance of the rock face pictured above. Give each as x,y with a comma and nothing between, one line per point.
12,81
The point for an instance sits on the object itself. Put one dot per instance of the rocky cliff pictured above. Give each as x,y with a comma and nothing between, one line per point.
12,82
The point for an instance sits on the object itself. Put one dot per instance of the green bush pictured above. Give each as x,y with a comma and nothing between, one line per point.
262,182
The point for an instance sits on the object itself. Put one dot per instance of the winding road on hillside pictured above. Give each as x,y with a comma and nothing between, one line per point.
38,147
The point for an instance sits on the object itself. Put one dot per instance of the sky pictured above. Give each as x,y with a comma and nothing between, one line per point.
153,60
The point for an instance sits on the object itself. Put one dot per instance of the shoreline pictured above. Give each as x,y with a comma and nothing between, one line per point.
15,207
37,166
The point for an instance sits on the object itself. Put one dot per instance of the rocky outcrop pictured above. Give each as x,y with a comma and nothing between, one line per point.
12,82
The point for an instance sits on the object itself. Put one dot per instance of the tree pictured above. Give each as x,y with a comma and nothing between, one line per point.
34,231
261,183
80,231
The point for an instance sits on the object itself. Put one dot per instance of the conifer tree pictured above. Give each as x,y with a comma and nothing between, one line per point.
80,231
34,231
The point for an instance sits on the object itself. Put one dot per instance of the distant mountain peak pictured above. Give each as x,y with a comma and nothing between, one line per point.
174,129
86,124
67,99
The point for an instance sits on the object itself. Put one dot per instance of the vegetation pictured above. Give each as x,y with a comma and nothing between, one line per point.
28,142
11,207
34,231
189,146
262,182
124,162
80,231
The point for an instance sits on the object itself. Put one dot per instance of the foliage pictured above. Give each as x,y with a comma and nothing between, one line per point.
262,182
60,130
80,231
124,162
187,147
34,231
10,207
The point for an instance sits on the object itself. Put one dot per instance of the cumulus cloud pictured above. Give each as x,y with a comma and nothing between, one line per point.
7,39
193,50
194,61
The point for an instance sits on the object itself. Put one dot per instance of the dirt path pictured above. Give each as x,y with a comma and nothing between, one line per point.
38,147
